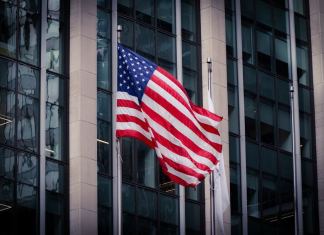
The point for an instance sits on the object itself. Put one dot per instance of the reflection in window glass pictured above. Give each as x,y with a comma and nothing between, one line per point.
249,79
302,65
190,84
267,123
7,29
193,218
263,14
264,50
29,37
146,165
282,64
27,123
103,64
53,131
54,177
301,28
305,136
253,194
247,44
8,74
28,81
189,56
284,129
146,203
145,10
145,43
55,90
188,20
233,109
55,210
166,15
250,117
127,35
7,163
27,169
266,85
7,116
230,35
169,210
281,20
166,52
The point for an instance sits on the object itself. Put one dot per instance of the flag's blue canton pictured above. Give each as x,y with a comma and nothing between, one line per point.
134,72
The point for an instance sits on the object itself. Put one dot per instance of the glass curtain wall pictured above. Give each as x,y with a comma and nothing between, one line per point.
306,116
191,76
150,201
104,117
56,125
266,72
20,30
233,114
19,116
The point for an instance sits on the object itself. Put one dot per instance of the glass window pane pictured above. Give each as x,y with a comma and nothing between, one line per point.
286,166
264,42
166,47
125,7
281,20
7,163
54,178
26,196
104,106
194,193
301,28
230,35
128,198
7,116
145,226
29,37
27,123
284,129
247,8
55,8
306,136
190,80
235,184
8,29
166,185
250,117
299,6
169,210
188,20
104,192
189,56
247,44
234,149
304,100
127,153
105,225
54,131
145,43
145,10
233,109
55,46
253,194
193,218
104,64
28,81
103,24
249,77
266,83
302,65
27,168
104,147
127,35
6,190
270,207
263,13
252,155
231,72
146,165
283,95
8,74
269,161
55,90
166,15
282,61
55,210
267,123
146,203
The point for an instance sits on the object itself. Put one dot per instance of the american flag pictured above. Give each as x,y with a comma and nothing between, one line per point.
153,107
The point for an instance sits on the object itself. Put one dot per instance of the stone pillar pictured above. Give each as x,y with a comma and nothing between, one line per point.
317,38
82,123
213,43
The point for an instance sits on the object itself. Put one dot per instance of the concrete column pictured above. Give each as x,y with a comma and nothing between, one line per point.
82,123
317,39
213,43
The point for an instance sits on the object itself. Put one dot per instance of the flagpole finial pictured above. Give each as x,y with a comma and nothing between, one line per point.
209,60
119,30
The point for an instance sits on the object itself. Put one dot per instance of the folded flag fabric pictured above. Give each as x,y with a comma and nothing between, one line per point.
153,107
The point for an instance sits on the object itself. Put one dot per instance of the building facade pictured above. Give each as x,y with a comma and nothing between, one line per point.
62,170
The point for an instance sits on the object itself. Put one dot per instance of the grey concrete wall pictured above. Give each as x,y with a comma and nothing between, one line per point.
317,39
213,43
82,123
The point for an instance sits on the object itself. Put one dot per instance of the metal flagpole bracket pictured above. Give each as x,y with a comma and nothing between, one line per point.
119,30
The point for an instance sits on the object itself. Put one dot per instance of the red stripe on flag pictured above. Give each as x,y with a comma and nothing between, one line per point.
127,118
181,117
205,112
128,103
134,134
185,140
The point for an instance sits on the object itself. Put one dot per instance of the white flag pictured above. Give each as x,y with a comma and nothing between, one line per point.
221,197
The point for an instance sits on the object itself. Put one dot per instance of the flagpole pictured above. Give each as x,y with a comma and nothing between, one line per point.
212,182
